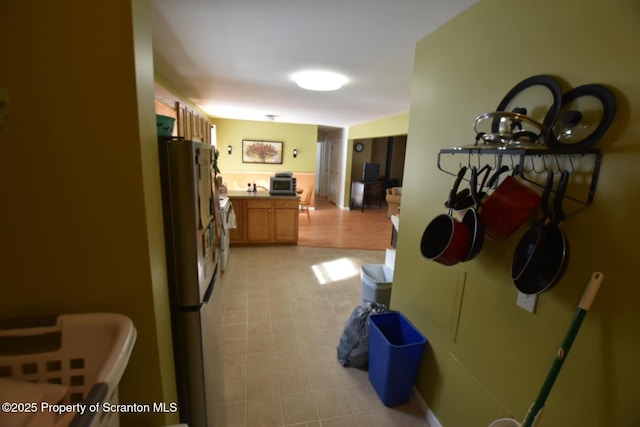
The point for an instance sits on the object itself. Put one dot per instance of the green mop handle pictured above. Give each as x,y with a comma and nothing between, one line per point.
585,304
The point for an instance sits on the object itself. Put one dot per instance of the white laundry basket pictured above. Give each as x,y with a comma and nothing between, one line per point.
85,353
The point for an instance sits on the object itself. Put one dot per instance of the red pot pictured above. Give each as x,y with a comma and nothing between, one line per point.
447,240
507,208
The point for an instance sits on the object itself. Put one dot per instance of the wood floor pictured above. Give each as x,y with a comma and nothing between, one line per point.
332,227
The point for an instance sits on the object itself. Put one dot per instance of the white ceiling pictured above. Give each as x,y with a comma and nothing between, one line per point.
234,58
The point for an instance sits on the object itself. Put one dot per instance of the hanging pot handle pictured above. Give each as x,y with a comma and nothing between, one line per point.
494,178
557,202
544,199
454,188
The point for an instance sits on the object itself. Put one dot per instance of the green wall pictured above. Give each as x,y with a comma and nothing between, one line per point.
487,357
81,223
298,136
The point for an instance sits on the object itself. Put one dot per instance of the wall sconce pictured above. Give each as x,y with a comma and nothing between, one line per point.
295,153
229,149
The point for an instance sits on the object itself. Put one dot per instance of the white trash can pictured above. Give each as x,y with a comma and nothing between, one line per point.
376,283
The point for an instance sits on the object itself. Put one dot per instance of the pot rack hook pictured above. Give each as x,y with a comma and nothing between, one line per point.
533,166
560,168
573,168
545,168
569,158
469,160
517,168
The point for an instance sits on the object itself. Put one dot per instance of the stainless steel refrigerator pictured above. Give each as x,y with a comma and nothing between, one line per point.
191,218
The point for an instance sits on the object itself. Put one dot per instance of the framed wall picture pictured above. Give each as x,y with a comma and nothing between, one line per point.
254,151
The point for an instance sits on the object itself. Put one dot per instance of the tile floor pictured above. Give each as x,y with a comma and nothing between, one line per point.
282,311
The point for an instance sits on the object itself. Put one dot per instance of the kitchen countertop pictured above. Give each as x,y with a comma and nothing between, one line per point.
257,195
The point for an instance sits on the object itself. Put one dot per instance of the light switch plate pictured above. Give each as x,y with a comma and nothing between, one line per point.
527,302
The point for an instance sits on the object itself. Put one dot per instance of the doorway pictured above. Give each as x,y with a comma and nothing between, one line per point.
329,167
389,152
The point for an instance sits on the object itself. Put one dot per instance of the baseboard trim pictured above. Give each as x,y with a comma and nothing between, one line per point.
429,415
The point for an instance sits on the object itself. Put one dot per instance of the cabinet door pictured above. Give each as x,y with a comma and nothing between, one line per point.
181,120
237,234
259,224
189,130
286,221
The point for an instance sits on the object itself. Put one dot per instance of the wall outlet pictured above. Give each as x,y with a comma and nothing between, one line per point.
527,302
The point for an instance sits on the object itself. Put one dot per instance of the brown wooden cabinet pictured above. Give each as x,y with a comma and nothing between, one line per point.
264,219
259,221
191,125
285,221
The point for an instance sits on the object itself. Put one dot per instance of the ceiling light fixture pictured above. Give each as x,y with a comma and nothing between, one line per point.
319,80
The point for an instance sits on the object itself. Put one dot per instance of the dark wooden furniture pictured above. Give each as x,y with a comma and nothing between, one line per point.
365,193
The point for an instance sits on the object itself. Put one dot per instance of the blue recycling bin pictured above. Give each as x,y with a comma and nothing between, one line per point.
395,350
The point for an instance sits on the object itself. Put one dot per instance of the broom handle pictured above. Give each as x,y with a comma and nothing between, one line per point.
585,304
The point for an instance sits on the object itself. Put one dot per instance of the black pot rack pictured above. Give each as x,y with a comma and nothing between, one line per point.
517,157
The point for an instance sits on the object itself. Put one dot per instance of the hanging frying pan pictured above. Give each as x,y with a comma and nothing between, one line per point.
445,239
587,112
542,254
473,221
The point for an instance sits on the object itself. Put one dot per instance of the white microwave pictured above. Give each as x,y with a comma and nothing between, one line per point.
282,185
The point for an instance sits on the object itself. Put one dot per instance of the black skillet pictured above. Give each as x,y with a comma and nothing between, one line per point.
473,220
542,255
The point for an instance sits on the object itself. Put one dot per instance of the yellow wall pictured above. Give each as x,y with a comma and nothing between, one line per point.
81,223
388,126
236,174
359,159
299,136
487,357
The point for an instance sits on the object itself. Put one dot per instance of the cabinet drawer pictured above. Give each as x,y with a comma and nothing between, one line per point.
258,204
284,204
